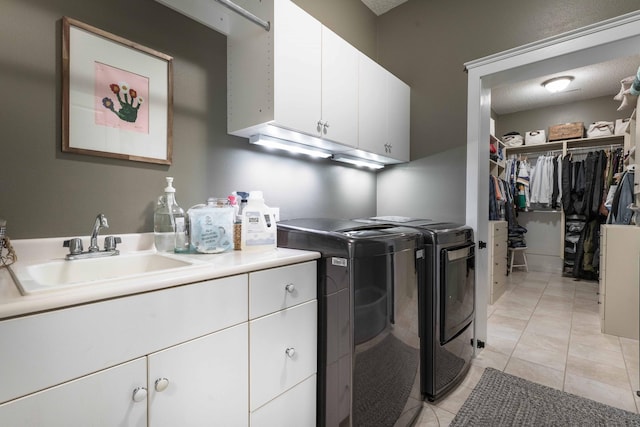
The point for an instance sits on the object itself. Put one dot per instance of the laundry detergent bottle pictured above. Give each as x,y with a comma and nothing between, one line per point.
259,230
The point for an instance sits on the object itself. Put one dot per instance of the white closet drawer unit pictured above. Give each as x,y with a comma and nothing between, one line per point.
619,307
280,288
295,408
283,351
498,236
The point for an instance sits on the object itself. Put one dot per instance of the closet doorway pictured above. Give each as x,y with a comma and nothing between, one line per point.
605,41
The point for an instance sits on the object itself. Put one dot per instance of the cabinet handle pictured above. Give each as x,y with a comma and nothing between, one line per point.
325,127
161,384
139,394
290,351
290,288
320,125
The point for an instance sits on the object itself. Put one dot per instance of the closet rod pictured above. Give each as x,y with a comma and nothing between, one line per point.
246,14
596,148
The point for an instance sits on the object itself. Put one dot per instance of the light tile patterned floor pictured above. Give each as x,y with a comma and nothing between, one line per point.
546,329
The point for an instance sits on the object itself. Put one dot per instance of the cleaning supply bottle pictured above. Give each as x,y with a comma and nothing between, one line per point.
169,226
259,230
241,199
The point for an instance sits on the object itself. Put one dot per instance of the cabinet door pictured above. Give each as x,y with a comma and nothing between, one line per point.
339,89
372,104
398,120
297,72
103,399
206,381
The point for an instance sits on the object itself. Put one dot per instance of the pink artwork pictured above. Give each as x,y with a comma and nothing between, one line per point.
121,99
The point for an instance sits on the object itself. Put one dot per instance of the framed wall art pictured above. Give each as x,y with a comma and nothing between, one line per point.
117,96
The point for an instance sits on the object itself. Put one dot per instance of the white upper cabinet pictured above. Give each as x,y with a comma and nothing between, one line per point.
297,70
339,89
302,82
383,119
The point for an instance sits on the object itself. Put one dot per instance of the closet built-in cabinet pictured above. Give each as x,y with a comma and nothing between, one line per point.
300,78
179,356
619,279
497,244
498,235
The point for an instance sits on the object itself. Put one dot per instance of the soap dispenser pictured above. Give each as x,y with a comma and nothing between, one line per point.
169,226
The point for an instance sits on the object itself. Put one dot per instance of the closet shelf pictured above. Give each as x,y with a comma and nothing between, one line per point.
570,143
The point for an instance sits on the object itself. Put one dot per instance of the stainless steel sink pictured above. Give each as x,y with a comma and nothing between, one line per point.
61,274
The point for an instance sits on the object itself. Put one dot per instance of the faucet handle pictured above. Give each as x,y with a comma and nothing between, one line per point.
110,243
74,245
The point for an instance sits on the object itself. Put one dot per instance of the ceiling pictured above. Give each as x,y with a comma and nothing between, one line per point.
589,82
381,6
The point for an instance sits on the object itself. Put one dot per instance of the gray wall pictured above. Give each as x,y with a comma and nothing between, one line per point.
45,193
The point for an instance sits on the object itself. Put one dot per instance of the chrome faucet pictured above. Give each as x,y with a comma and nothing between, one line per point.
101,222
110,242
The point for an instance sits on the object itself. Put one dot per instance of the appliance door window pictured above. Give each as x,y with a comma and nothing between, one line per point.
457,288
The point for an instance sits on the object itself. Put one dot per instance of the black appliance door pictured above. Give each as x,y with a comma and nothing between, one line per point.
386,388
457,285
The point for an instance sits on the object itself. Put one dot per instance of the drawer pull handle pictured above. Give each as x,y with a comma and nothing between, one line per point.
161,384
290,351
290,288
139,394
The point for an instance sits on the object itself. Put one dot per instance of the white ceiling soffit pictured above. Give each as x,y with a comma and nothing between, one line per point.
589,82
381,6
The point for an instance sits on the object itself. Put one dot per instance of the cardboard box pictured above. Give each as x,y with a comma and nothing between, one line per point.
566,131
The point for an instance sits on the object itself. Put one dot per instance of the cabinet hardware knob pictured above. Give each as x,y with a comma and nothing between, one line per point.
139,394
290,351
161,384
290,288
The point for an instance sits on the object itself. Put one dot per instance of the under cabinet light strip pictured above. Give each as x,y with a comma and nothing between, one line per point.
292,147
356,162
245,13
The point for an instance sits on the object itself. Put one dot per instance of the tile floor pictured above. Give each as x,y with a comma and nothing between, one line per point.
546,328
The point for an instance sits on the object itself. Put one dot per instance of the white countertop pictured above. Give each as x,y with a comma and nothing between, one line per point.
29,251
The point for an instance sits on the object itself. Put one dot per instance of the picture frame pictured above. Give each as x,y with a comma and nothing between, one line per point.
117,96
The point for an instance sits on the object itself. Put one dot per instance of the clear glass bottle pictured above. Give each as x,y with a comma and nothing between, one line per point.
169,225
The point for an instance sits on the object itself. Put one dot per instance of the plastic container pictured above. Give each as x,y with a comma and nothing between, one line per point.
259,230
211,226
169,228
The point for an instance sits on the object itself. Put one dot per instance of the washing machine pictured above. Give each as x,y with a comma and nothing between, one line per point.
448,302
368,325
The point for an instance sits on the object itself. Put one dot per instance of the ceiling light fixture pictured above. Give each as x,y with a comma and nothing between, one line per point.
356,162
557,84
292,147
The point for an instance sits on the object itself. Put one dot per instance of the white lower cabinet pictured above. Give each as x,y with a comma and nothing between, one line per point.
295,408
283,346
100,399
174,357
206,379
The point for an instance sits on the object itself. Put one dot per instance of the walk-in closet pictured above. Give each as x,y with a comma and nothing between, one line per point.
563,193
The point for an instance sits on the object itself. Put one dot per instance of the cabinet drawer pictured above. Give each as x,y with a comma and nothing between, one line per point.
499,227
280,288
76,341
295,408
271,370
